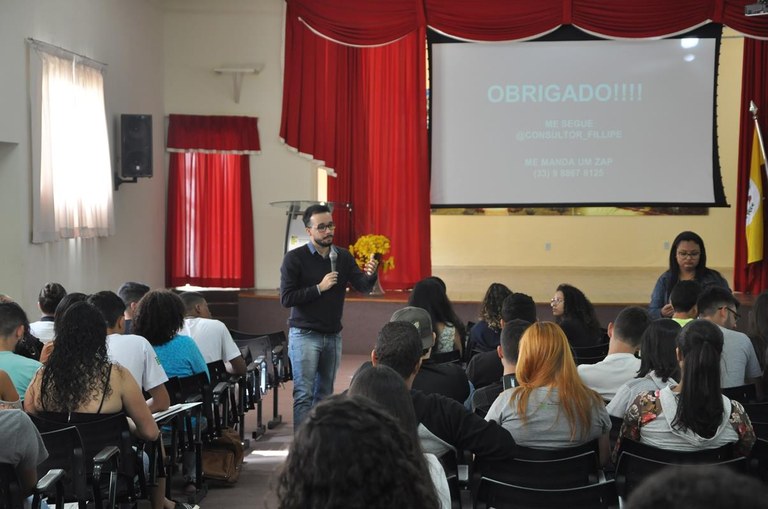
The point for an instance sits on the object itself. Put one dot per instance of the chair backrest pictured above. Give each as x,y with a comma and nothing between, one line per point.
743,393
97,434
66,451
637,461
500,495
10,487
218,372
547,468
590,354
454,356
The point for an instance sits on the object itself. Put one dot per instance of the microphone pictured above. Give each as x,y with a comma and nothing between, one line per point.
333,255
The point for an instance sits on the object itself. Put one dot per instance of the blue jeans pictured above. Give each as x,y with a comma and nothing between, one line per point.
315,358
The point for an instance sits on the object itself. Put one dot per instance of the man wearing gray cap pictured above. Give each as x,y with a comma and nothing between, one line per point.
447,379
444,424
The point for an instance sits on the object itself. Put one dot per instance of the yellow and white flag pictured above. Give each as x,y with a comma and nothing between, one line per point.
754,230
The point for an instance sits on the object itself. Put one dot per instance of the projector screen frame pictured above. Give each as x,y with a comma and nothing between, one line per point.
570,33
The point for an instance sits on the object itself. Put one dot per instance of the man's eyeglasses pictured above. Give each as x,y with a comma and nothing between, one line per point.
322,227
735,314
686,254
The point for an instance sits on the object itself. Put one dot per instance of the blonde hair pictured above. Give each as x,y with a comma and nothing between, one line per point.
546,361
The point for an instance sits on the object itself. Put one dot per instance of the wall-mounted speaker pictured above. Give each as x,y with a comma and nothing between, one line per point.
135,146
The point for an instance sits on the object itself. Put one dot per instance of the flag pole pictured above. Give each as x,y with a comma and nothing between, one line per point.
753,111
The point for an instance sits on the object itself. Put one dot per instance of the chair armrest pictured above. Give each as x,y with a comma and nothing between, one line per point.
278,350
106,454
220,389
103,457
46,483
194,399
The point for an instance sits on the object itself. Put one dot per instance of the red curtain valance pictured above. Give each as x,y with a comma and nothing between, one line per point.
375,22
203,133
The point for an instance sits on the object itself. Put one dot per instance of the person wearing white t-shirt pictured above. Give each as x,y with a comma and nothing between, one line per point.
132,352
211,336
620,365
49,297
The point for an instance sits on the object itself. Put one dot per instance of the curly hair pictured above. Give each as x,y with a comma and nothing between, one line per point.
78,369
577,307
50,296
159,316
350,453
491,308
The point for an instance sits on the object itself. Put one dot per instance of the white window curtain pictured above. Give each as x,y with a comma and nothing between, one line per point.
72,173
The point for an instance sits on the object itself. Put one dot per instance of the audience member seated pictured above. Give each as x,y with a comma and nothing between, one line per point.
429,294
159,317
20,369
551,407
574,313
351,453
699,486
211,336
693,414
50,296
80,384
486,333
507,353
739,365
9,397
758,332
132,352
447,379
687,261
484,368
22,447
683,298
384,386
64,304
131,292
620,365
658,365
444,424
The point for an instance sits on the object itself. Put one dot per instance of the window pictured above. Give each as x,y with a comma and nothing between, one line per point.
72,171
209,239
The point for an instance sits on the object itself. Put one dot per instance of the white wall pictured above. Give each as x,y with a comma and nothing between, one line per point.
201,35
127,35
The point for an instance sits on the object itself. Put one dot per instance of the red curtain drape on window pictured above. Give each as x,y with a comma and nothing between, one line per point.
335,94
209,231
750,278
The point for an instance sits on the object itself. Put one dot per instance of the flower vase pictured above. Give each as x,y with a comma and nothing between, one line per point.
377,289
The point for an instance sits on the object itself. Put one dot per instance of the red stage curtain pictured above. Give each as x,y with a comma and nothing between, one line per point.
336,106
209,231
752,278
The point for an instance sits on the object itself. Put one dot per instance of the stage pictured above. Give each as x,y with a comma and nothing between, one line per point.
610,290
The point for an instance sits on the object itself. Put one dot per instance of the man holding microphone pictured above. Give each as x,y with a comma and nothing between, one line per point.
313,283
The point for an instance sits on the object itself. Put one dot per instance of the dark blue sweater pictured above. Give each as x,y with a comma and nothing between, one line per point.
302,270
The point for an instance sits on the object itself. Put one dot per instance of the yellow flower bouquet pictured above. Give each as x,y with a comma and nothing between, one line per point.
370,244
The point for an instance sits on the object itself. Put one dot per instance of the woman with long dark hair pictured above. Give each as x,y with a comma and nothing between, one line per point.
80,384
687,261
485,335
449,330
575,314
551,407
693,414
658,365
